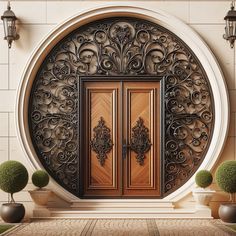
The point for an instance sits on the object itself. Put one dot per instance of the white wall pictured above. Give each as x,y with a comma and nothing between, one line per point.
37,18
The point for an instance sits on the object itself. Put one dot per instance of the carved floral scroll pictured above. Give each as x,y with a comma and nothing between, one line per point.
124,47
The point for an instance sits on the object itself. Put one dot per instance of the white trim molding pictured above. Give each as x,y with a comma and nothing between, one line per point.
183,31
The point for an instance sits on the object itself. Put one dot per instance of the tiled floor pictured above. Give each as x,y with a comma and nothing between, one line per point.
122,227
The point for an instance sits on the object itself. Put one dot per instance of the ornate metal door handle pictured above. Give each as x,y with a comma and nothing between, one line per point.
125,147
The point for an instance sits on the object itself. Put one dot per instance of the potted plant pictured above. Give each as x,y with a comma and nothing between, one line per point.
226,180
40,196
203,195
13,178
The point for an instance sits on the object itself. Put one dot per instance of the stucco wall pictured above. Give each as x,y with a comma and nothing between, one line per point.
37,18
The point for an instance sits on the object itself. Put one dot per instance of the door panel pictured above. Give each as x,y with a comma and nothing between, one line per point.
121,139
142,131
101,110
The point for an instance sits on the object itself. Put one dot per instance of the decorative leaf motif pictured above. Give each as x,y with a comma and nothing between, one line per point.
101,143
140,142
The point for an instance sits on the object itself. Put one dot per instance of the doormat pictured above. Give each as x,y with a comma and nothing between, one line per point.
5,227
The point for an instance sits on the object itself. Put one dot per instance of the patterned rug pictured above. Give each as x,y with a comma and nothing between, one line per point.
123,227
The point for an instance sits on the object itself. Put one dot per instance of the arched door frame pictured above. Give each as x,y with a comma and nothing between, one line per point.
171,23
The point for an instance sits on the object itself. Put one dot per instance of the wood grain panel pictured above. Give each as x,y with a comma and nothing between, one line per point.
141,100
101,101
121,104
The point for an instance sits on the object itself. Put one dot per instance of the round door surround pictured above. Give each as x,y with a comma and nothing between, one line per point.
186,34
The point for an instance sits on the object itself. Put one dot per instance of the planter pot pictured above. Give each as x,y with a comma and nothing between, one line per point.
12,212
202,197
40,197
227,212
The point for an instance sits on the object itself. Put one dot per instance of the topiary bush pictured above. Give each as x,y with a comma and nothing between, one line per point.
13,177
40,178
226,177
203,178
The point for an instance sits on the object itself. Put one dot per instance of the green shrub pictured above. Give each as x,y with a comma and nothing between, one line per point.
226,176
203,178
13,177
40,178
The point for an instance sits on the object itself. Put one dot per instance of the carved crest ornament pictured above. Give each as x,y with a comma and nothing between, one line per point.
121,47
140,142
101,143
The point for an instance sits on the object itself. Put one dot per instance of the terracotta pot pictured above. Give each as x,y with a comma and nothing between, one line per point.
202,197
227,212
12,212
40,197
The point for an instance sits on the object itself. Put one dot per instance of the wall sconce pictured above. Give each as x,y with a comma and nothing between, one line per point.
9,24
230,28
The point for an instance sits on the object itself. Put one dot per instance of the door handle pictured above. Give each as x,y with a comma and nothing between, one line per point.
125,147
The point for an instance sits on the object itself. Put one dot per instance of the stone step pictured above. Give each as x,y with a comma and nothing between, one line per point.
144,213
122,204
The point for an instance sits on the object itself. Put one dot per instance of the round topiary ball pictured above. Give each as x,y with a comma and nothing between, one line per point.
226,176
203,178
13,176
40,178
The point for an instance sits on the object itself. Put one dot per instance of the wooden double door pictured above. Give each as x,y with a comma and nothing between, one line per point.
120,139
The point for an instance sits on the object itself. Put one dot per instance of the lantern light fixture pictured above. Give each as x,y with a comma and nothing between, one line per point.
9,24
230,27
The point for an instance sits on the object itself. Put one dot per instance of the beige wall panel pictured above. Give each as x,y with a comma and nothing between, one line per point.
4,124
30,11
30,37
208,11
178,9
3,149
3,157
3,48
12,125
4,76
227,154
17,154
7,100
22,196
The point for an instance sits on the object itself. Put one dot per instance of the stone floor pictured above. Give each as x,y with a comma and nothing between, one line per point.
122,227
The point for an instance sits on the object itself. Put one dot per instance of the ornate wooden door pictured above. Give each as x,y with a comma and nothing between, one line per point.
121,139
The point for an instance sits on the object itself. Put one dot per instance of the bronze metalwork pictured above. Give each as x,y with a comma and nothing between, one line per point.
140,142
101,143
121,47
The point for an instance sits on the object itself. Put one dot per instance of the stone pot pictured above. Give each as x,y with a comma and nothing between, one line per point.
227,212
12,212
202,197
40,196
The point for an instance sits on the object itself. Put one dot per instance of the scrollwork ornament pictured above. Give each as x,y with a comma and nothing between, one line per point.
121,47
140,142
101,143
